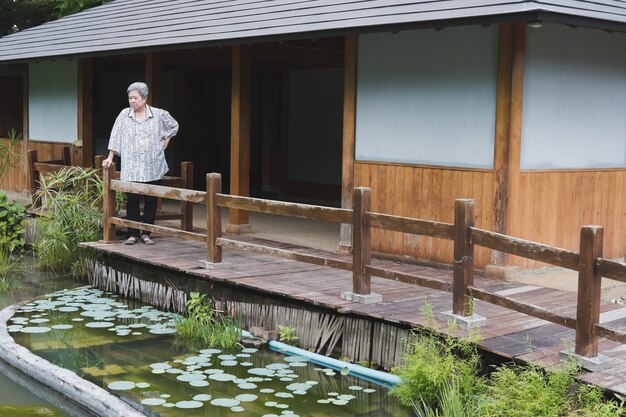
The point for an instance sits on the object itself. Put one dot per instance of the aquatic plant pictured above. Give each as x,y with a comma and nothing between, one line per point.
71,202
287,335
203,324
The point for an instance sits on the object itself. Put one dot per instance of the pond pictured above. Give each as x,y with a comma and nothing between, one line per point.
21,396
130,349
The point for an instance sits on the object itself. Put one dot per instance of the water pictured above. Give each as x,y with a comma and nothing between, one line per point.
20,395
129,349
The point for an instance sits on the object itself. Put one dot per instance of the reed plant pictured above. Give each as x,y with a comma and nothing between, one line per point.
204,324
442,377
71,202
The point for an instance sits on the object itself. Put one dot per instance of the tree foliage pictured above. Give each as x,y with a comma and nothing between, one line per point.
17,15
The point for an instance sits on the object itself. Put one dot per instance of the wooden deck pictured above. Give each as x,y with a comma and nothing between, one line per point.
506,333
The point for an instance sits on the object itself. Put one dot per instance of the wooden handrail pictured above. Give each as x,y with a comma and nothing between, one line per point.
520,307
162,230
612,269
286,254
281,208
409,225
525,248
181,194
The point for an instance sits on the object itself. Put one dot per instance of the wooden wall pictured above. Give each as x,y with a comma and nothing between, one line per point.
16,176
426,193
551,206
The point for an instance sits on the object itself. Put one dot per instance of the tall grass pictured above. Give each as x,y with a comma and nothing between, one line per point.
441,377
71,200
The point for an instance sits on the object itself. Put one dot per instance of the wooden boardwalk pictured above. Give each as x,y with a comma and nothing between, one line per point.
506,333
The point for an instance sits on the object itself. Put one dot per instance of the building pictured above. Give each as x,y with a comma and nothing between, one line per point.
520,105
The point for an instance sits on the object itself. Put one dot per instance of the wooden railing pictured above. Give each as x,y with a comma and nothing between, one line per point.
37,169
587,261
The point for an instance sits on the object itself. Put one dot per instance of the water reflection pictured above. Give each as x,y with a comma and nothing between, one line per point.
20,395
128,348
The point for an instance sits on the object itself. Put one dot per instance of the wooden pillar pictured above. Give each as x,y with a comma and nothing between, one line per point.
24,183
361,253
349,129
509,96
463,273
85,109
108,204
186,172
154,78
240,135
589,280
213,218
284,133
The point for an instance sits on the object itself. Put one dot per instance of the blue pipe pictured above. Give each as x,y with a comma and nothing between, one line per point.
378,377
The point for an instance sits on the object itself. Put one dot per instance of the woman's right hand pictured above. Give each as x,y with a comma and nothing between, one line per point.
107,163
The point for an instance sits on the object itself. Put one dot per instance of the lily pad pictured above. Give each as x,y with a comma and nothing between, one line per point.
41,329
153,401
121,385
246,397
202,397
225,402
189,404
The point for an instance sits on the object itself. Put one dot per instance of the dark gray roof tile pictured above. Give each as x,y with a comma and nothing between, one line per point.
129,25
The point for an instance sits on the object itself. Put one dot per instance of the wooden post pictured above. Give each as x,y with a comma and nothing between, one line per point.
108,204
25,130
589,280
32,176
240,134
98,162
186,172
154,78
349,129
463,256
213,217
361,238
85,108
67,156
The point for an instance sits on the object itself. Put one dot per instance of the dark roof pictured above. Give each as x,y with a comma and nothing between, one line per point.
136,25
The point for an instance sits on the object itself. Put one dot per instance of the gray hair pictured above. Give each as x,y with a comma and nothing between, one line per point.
141,88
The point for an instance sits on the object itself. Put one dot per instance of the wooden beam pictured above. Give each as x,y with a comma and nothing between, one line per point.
515,126
349,129
502,137
240,133
85,109
25,185
298,55
154,78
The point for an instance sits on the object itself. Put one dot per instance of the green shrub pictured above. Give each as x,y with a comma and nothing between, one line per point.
11,224
516,391
431,365
591,403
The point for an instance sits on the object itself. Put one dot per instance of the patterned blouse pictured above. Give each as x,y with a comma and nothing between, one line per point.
139,143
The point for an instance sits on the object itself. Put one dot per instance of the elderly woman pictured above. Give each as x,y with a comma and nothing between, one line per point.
140,136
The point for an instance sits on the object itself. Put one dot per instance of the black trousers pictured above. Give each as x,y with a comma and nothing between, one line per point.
133,212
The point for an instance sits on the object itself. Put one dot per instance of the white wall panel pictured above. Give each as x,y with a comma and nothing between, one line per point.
53,101
428,97
574,99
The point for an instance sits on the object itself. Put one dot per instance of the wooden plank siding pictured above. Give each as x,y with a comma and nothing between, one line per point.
425,193
555,204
